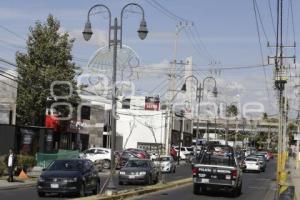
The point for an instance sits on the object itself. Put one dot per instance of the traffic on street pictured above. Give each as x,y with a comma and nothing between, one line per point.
149,100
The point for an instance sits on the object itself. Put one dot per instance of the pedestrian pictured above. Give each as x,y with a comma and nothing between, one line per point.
11,160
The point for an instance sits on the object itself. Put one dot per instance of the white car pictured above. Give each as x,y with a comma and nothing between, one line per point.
251,164
184,152
98,153
166,163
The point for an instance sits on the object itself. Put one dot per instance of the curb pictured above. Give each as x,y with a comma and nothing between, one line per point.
140,191
25,185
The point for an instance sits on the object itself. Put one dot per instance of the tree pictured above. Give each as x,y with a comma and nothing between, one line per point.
48,58
265,116
232,110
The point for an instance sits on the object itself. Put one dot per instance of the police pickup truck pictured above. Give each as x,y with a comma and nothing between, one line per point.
216,167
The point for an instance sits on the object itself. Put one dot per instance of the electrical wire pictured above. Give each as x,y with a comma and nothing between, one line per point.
272,19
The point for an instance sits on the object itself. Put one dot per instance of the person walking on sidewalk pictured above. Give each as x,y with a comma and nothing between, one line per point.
11,160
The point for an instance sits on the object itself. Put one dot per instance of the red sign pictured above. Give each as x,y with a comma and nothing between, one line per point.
52,122
152,103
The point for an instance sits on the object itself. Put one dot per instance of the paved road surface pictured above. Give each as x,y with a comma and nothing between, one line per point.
256,186
183,171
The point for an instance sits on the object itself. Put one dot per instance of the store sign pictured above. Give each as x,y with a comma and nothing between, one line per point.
152,103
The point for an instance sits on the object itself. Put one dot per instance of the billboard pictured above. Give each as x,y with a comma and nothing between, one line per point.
152,103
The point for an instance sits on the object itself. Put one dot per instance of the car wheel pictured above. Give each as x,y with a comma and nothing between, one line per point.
149,181
82,190
97,189
198,189
240,189
41,194
121,183
106,164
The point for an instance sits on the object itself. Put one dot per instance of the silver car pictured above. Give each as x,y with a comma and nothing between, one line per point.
166,163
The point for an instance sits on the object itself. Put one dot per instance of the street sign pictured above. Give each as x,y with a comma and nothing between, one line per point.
296,136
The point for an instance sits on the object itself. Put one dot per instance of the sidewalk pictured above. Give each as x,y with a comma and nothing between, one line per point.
294,177
18,183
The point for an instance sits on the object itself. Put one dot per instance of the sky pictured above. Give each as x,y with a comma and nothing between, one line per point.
219,35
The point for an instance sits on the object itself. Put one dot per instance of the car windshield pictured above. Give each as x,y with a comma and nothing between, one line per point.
66,165
190,149
137,163
217,156
163,159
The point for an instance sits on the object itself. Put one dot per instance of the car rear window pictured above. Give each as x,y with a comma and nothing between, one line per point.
66,165
218,160
251,159
137,163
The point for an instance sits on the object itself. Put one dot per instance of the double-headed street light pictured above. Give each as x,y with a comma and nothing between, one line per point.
87,34
199,96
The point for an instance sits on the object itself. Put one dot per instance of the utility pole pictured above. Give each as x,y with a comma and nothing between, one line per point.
226,132
207,131
269,137
236,132
280,81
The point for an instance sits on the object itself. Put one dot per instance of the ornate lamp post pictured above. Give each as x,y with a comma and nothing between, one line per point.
199,96
113,42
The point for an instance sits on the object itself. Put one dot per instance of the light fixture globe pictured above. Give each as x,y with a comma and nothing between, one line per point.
183,87
87,32
143,31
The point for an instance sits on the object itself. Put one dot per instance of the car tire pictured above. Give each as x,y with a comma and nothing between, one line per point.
41,194
97,189
240,189
198,189
106,164
82,191
121,183
149,180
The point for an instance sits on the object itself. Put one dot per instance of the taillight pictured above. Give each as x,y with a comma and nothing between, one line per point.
234,173
195,170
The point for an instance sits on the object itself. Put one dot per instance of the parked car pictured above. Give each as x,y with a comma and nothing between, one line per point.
184,151
69,176
262,162
166,163
139,153
98,153
216,167
138,171
123,156
251,164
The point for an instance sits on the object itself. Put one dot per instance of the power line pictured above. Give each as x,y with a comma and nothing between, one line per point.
271,14
12,32
261,50
8,84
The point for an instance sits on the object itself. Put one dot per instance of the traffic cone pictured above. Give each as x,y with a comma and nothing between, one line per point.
23,175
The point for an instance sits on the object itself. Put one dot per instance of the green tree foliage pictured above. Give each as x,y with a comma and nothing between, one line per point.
232,110
48,58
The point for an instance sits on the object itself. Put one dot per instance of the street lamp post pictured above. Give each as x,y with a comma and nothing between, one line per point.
87,33
199,96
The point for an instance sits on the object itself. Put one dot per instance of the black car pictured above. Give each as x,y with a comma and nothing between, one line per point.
138,171
69,176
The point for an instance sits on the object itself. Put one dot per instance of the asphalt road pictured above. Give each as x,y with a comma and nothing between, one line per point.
30,193
260,186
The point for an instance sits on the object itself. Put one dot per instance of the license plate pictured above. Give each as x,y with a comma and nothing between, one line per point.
205,180
54,186
131,176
